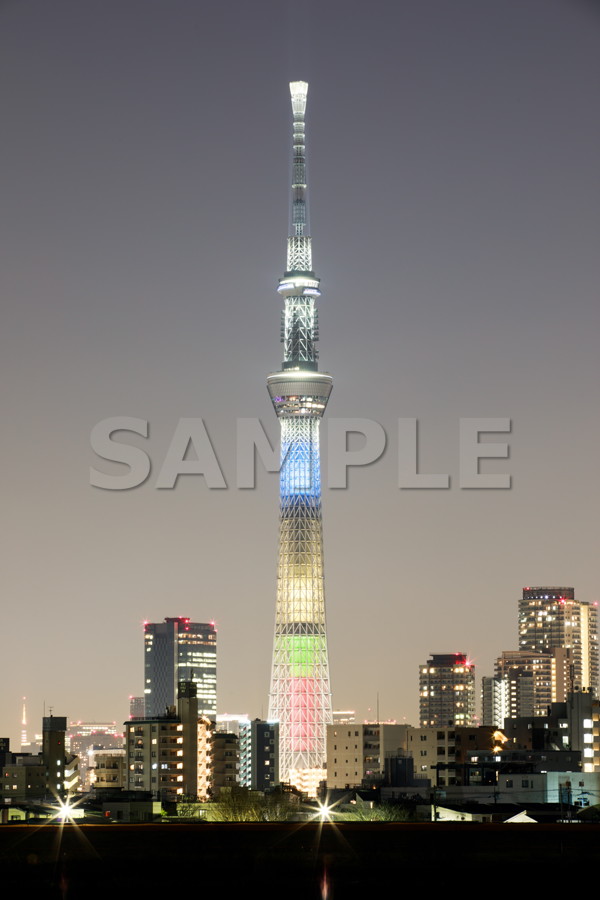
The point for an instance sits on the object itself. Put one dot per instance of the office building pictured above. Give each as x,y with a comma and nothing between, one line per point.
300,696
447,690
179,650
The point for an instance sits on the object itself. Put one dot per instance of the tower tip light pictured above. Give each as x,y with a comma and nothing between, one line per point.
298,87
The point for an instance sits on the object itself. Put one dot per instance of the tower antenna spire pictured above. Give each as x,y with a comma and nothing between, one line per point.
300,697
299,92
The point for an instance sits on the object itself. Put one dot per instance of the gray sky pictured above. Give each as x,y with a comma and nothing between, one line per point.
453,152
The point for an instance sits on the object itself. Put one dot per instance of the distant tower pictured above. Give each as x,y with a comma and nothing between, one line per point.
179,650
25,745
300,696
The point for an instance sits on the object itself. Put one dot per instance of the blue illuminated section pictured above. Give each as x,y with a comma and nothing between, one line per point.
300,473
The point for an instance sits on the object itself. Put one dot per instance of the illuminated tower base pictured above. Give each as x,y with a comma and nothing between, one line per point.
300,696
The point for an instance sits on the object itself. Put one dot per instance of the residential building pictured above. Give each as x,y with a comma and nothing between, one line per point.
532,680
583,728
356,754
551,618
434,748
224,761
206,728
162,752
447,690
109,769
51,774
494,700
259,755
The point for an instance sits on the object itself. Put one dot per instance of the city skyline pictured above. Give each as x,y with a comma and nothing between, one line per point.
455,209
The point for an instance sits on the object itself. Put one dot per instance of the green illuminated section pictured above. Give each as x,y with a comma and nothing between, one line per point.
302,652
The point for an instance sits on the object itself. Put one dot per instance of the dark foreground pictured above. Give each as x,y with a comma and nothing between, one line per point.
288,861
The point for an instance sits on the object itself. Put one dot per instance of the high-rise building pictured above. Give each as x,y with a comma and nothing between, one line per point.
532,680
62,768
494,700
551,618
179,650
300,697
447,690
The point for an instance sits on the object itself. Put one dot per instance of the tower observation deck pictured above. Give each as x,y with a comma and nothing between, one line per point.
300,697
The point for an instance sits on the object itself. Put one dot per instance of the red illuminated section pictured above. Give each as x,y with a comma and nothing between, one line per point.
303,711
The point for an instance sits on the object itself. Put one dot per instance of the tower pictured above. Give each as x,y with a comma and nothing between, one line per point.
300,697
179,650
24,742
447,690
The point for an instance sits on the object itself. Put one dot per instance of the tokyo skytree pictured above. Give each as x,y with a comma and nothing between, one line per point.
300,697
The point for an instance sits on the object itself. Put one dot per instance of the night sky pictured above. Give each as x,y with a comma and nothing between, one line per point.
455,195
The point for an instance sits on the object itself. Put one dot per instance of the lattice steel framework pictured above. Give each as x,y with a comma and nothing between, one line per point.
300,696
